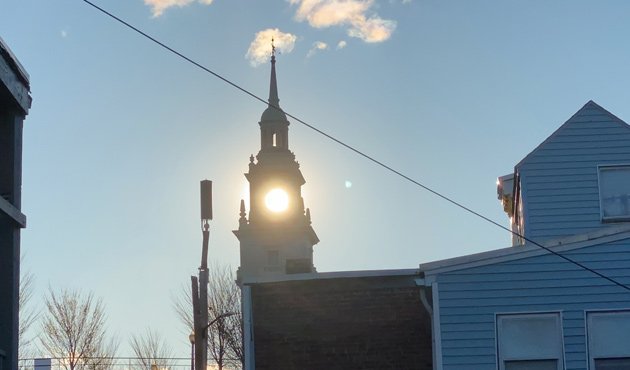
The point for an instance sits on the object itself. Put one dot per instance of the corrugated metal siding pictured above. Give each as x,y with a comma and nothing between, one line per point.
469,300
559,179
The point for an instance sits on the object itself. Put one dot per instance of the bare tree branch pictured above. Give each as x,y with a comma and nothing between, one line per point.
225,343
151,351
28,315
73,328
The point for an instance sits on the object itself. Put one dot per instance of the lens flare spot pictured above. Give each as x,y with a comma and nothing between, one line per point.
277,200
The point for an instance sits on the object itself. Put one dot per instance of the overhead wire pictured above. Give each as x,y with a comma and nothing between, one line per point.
353,149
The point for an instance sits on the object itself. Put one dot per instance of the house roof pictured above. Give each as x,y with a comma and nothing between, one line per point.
332,275
426,270
564,244
13,62
589,105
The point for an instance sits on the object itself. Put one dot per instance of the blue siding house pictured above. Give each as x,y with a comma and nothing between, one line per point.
524,308
572,182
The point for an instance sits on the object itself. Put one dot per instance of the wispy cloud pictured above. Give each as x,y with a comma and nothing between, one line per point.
317,46
341,44
64,33
260,49
159,6
356,15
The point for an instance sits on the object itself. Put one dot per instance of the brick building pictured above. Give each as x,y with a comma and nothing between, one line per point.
348,320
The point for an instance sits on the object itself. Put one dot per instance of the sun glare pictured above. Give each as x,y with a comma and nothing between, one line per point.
277,200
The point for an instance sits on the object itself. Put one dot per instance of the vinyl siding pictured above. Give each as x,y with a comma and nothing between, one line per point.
469,300
559,179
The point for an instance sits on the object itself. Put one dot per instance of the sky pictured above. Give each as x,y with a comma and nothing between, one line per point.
451,93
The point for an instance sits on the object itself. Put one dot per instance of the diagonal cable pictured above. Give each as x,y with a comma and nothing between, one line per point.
353,149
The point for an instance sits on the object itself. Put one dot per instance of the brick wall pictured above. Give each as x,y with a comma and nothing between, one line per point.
342,323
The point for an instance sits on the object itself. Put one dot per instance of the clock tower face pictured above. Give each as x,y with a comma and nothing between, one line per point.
276,237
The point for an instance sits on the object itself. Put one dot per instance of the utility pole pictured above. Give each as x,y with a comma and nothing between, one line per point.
200,287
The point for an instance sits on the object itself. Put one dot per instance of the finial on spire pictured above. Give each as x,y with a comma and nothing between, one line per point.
273,87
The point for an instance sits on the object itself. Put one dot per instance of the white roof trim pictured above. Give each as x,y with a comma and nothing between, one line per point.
330,275
601,236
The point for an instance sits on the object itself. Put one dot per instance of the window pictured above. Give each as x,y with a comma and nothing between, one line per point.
273,258
608,347
274,139
529,341
299,266
614,192
532,364
612,363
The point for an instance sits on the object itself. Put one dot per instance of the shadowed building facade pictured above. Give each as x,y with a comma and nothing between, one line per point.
348,320
15,102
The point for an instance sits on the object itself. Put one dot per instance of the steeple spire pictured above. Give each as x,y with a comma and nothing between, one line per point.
273,85
274,134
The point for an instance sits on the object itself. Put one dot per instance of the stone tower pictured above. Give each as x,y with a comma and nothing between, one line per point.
277,237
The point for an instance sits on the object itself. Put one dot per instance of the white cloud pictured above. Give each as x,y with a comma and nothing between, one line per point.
354,14
341,44
159,6
64,33
373,29
317,46
260,49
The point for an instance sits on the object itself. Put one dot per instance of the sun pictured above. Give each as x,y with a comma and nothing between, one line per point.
277,200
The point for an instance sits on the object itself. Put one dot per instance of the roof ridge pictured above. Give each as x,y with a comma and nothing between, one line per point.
589,104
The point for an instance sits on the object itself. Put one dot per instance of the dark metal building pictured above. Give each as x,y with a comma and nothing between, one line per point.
15,102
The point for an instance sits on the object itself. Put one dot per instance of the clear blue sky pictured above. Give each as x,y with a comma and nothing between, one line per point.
452,93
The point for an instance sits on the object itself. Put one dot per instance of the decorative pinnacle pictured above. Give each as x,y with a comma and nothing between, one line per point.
243,219
273,51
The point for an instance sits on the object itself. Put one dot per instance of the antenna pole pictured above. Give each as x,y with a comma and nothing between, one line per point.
200,293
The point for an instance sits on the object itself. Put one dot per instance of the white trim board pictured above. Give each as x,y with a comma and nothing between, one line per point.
601,236
437,330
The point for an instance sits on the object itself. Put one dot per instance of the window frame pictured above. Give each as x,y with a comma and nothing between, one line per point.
588,315
273,258
605,167
501,358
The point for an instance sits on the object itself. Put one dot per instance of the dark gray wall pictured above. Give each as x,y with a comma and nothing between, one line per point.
14,103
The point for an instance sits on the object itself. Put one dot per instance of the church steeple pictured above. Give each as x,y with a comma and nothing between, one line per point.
277,238
274,126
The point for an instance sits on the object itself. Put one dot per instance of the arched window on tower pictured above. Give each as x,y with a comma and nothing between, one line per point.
274,141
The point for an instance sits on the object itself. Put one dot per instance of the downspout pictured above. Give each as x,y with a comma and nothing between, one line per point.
425,302
427,306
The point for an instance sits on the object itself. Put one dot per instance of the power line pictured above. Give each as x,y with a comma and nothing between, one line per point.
353,149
